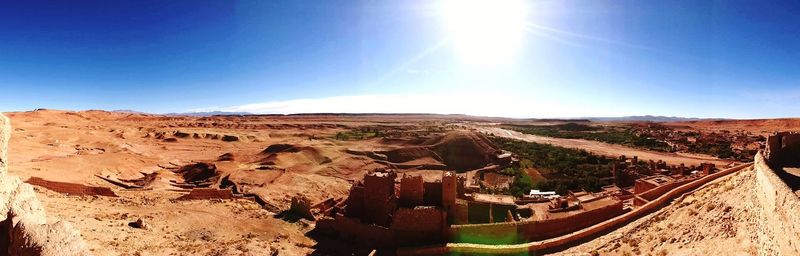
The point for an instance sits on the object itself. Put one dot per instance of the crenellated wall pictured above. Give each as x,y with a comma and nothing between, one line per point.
526,231
25,230
781,205
529,247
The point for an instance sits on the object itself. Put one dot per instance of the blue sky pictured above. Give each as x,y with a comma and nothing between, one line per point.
733,59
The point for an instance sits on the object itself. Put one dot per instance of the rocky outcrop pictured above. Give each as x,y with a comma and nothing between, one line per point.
301,207
25,230
5,135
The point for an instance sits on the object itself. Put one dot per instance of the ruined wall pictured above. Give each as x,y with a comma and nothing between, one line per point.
783,150
781,205
545,229
525,231
640,186
478,212
500,212
351,229
355,202
25,230
208,193
462,189
449,191
433,194
411,227
461,212
411,191
483,212
326,205
378,195
708,168
660,190
71,188
604,226
301,207
420,219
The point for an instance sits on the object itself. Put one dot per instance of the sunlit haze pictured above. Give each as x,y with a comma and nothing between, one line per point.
510,58
485,32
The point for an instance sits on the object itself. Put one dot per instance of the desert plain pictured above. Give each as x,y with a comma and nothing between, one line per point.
152,162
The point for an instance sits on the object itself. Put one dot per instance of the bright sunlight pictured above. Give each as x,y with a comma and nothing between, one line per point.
485,32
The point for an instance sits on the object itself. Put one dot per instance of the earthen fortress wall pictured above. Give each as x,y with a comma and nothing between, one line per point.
549,244
781,205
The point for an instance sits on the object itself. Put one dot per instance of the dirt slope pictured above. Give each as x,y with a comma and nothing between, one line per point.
156,151
457,150
464,150
721,218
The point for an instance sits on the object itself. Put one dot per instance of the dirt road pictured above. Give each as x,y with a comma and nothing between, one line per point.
605,148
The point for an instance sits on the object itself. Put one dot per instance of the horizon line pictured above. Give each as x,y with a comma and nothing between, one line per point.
243,113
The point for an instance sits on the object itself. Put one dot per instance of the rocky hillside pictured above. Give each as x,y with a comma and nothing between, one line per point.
26,230
456,150
731,216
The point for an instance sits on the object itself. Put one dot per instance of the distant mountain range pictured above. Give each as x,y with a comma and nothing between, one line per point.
197,114
210,113
128,111
647,118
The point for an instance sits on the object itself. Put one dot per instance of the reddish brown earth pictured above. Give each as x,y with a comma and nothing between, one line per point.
71,188
150,161
725,217
756,126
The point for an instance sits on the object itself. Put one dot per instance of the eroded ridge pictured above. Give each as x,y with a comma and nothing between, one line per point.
26,230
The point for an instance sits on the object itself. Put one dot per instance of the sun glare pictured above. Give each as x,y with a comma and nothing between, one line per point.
485,32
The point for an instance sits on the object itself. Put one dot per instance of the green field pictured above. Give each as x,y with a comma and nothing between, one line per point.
563,168
358,134
613,135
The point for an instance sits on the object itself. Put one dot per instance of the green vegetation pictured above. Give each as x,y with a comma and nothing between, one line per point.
564,168
522,181
720,149
359,134
647,137
613,135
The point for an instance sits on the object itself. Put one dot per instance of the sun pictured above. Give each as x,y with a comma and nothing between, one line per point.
485,32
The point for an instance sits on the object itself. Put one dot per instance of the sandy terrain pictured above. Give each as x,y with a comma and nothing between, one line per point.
201,227
606,149
721,218
279,157
272,157
77,146
755,126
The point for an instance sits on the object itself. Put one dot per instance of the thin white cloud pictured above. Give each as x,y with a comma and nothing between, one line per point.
487,104
773,95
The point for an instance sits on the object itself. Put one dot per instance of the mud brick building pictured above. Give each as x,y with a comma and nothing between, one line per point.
782,150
